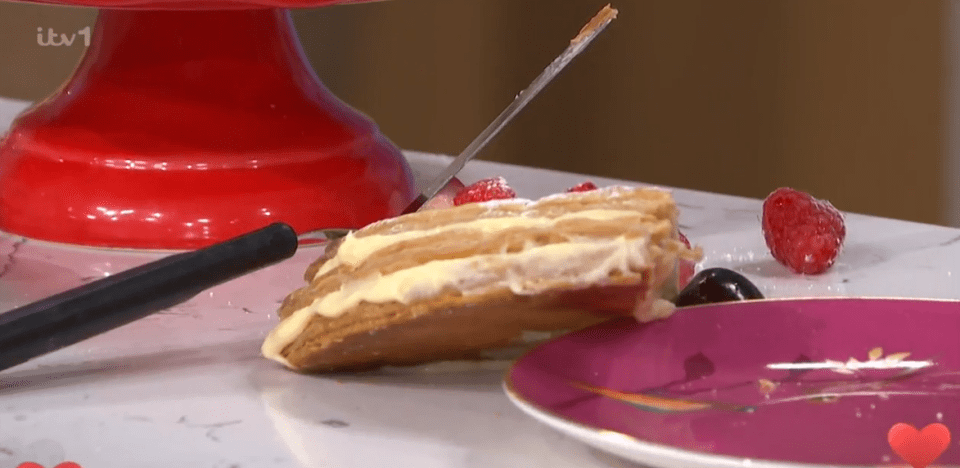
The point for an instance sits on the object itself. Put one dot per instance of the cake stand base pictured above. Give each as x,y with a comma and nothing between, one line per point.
184,128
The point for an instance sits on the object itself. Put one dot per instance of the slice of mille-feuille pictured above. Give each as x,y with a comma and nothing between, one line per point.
451,283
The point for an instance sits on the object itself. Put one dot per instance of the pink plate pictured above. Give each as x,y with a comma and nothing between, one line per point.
778,382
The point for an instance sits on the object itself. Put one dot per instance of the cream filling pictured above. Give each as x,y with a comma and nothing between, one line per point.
529,272
354,251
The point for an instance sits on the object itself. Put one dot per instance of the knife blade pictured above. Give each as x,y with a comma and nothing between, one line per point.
587,34
590,31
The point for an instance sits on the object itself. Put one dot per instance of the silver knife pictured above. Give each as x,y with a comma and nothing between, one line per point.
577,45
593,28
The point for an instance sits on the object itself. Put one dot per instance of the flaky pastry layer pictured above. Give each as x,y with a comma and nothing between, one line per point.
448,284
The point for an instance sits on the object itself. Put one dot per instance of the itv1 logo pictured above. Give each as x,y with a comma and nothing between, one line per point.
50,38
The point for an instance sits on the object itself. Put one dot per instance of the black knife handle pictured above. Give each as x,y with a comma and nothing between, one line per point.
100,306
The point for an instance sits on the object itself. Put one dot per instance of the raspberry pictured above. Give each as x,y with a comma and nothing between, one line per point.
485,190
685,268
803,233
584,187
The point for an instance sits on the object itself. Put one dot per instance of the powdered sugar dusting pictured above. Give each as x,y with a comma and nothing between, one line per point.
613,191
493,205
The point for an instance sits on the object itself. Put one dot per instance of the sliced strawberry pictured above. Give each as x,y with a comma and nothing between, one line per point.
684,239
444,198
686,268
583,187
685,271
485,190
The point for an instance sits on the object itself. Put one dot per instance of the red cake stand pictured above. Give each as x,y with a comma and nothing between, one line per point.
189,122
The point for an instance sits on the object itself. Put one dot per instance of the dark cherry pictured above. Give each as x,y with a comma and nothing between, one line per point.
717,285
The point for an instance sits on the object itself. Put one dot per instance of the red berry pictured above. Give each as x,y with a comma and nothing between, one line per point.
444,198
684,239
485,190
685,268
584,187
803,233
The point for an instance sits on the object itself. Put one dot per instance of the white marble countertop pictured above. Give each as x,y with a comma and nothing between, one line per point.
187,387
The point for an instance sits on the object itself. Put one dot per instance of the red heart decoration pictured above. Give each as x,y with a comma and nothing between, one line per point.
919,448
37,465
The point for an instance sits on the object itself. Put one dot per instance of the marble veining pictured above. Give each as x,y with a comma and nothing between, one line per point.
10,259
187,387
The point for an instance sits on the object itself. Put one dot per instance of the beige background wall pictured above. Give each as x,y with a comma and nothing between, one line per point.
839,98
